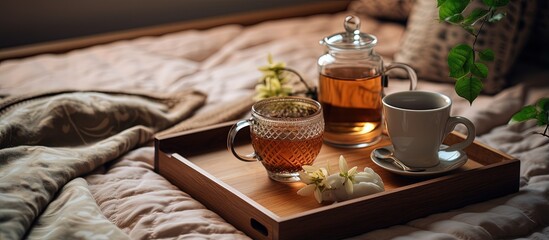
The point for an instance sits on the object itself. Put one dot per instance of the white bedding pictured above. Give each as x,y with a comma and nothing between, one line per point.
222,63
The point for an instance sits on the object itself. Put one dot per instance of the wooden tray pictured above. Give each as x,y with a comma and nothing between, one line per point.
199,163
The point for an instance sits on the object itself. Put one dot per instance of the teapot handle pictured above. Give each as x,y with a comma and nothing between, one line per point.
411,73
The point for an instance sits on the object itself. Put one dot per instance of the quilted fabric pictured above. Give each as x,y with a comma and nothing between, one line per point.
146,206
74,214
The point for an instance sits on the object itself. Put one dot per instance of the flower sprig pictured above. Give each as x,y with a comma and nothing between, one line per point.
346,184
275,81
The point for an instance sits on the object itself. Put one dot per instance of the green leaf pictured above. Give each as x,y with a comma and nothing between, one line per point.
496,18
496,3
543,104
475,15
468,87
460,60
543,118
486,55
538,111
440,2
526,113
449,8
542,107
480,70
456,18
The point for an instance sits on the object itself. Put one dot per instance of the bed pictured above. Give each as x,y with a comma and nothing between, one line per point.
76,128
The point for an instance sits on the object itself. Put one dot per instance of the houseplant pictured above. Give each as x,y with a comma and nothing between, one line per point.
467,62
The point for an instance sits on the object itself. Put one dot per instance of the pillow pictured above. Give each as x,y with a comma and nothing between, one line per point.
427,41
383,9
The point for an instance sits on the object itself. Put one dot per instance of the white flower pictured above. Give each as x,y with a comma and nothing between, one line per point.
315,178
347,184
347,173
368,175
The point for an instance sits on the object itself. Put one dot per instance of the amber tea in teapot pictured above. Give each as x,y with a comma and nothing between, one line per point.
352,103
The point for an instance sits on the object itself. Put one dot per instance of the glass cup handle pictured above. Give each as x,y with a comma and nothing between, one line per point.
252,157
411,73
451,124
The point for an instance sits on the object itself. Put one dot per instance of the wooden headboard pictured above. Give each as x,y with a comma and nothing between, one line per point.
248,17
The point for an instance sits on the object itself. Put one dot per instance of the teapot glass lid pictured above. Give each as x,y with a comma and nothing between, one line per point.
352,38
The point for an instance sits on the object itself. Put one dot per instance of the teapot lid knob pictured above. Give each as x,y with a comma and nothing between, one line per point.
352,38
352,24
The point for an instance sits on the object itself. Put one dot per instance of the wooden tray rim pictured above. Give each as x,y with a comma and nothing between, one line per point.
277,218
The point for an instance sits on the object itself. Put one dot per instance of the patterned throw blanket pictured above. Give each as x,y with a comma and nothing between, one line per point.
48,141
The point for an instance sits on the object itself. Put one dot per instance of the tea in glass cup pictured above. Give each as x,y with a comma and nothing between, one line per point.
286,133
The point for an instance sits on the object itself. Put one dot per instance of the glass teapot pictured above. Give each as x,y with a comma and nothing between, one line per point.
351,81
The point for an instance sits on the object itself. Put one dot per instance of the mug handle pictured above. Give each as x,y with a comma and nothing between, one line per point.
411,73
252,157
451,124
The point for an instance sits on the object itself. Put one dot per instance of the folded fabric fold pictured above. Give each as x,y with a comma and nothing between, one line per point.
47,140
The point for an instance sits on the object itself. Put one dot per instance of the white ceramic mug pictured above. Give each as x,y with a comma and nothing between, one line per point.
417,124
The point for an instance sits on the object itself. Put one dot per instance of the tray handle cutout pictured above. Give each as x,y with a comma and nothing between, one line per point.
259,227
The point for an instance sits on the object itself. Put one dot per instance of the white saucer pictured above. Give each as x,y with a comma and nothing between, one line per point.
448,162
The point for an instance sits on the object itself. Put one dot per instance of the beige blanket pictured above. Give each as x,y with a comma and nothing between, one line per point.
221,63
49,141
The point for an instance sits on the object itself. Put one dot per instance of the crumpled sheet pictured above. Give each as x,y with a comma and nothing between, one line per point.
222,62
